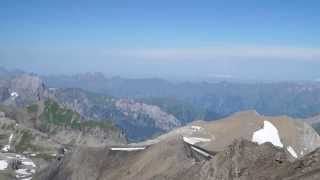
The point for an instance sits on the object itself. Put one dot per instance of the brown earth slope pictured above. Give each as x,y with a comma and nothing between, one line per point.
228,141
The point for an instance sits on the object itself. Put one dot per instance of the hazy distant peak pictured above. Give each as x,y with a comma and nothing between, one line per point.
90,76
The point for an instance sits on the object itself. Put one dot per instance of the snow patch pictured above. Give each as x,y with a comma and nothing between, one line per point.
10,138
196,128
292,152
23,173
33,171
200,151
194,140
14,94
128,149
269,133
6,148
28,163
20,157
3,165
29,178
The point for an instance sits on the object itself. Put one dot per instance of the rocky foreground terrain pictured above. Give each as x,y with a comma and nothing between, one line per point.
244,146
32,138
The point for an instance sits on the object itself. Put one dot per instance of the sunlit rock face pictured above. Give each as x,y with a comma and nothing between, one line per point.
160,118
22,90
29,88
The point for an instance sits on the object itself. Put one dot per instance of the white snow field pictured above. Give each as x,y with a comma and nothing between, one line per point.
3,165
14,94
28,163
6,148
269,133
196,128
292,152
128,149
194,140
200,151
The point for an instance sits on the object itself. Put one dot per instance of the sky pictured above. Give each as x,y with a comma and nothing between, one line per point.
245,39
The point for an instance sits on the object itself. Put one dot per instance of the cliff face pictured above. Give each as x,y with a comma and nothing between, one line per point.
29,86
137,119
160,119
22,90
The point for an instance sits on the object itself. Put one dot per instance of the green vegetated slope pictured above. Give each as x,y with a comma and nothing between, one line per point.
24,143
135,120
55,114
33,108
34,125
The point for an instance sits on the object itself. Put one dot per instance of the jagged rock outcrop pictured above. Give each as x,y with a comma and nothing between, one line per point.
137,119
23,90
30,86
159,118
306,168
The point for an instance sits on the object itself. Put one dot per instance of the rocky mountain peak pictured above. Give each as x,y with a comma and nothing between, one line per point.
23,90
161,119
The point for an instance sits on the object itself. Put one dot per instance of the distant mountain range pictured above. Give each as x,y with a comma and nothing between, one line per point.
91,127
139,106
191,100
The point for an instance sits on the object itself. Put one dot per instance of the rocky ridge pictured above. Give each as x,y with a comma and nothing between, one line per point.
34,137
23,90
175,155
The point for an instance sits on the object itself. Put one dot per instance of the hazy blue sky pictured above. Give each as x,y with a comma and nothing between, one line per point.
262,39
